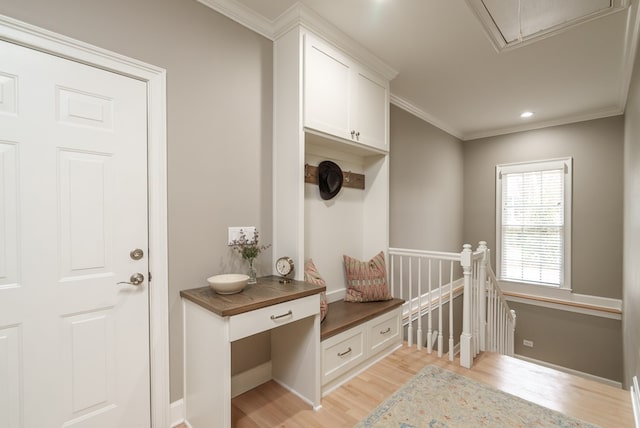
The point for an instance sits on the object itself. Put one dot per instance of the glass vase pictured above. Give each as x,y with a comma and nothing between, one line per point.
252,272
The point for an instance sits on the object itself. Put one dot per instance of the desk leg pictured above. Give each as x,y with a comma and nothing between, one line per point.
207,368
295,357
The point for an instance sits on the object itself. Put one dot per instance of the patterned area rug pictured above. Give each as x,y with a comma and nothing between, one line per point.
438,398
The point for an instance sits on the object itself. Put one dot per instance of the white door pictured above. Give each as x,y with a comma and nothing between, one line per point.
74,344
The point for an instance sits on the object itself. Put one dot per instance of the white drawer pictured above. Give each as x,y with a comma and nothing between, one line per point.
249,323
342,352
384,331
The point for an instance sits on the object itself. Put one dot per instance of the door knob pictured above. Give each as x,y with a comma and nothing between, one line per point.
136,254
136,279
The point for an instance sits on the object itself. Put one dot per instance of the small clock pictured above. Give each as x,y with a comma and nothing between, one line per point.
284,267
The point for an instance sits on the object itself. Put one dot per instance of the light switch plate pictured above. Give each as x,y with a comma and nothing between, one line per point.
234,233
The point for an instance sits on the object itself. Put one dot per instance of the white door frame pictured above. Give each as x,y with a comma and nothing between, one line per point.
27,35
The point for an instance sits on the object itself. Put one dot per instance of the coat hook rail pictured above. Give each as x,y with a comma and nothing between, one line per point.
350,179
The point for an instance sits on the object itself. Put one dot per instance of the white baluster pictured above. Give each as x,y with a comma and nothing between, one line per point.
451,350
419,337
483,299
466,358
410,326
429,323
440,308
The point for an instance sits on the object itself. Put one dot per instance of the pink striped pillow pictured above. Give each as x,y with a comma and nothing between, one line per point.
366,281
312,275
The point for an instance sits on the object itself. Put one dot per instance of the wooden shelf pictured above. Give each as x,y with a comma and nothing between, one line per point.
349,179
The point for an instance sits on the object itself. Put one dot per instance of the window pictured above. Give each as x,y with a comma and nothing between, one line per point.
533,222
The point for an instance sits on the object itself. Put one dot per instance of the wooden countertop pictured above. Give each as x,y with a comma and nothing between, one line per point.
268,291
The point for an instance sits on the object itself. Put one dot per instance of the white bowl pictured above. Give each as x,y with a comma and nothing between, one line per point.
229,283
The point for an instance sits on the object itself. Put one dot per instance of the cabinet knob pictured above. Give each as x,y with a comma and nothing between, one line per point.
358,135
353,134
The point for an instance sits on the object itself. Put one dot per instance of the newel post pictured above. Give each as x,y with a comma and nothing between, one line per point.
466,350
482,293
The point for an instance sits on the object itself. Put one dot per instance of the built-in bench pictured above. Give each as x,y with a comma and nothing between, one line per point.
355,336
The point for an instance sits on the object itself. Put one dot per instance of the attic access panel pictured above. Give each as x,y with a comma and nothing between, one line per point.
512,23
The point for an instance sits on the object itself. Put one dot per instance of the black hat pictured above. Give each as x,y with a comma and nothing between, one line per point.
329,179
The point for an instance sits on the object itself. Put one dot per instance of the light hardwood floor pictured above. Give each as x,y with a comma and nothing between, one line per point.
270,405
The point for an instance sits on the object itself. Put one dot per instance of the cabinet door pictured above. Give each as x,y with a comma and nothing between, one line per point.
370,109
326,89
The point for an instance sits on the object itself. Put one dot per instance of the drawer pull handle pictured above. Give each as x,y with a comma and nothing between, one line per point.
386,331
342,354
277,317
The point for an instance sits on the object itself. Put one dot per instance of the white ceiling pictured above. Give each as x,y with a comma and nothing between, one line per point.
450,74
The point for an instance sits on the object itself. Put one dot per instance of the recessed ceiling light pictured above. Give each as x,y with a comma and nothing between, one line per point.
526,114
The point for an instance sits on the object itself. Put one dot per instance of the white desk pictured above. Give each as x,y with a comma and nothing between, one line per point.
211,322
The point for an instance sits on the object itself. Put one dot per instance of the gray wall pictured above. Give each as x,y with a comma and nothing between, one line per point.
426,205
588,344
631,262
219,92
597,150
425,185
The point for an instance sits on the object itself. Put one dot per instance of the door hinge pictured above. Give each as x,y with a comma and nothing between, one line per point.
149,276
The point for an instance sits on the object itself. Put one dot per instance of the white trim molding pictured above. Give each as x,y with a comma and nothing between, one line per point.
249,379
299,14
564,168
302,15
635,400
566,120
409,107
27,35
495,35
243,15
589,376
177,413
564,300
431,301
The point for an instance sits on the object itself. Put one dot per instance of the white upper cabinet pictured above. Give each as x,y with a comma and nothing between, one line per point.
370,109
342,98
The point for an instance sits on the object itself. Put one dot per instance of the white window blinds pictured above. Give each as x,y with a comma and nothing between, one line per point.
532,229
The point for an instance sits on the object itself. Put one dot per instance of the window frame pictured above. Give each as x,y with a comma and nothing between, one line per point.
542,165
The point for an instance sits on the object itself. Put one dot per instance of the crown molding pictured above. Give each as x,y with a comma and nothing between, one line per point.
630,51
421,114
242,15
600,114
299,14
418,112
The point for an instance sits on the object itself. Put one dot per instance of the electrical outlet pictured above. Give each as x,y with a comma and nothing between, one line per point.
234,233
528,343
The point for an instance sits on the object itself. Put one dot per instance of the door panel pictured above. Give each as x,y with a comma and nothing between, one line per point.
8,215
326,89
10,377
371,110
73,191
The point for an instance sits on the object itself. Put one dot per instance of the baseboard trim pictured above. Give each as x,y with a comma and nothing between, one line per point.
176,412
635,400
571,371
240,383
247,380
297,394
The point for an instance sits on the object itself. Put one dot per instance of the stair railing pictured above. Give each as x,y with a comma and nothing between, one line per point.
430,280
